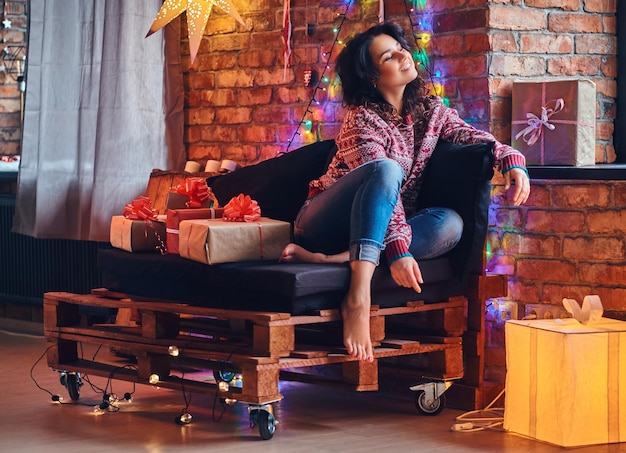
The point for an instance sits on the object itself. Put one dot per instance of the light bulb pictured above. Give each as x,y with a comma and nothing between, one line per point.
173,351
185,418
223,386
153,379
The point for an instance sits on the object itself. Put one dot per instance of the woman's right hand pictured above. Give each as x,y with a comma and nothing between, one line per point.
406,272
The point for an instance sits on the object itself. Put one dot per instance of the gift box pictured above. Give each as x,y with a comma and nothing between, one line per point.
179,201
554,122
137,235
159,186
565,381
175,216
218,241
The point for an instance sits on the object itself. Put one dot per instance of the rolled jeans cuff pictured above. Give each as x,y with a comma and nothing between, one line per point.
366,251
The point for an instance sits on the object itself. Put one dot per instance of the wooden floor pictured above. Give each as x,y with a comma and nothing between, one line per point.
312,418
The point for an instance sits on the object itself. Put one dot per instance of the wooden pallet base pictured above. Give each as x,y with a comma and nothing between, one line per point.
261,346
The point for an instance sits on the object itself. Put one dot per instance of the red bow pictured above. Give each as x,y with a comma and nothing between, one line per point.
241,208
140,209
196,189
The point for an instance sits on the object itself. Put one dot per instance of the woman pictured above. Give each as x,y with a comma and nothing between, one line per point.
364,202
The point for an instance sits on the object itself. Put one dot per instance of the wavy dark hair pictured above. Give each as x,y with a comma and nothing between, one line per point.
358,72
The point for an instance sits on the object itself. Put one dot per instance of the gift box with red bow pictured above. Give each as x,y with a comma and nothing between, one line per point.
175,216
191,193
139,228
554,121
241,235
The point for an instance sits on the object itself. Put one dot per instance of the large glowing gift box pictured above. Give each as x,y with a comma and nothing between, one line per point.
566,381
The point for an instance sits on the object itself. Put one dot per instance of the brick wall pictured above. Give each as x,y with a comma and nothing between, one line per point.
12,38
567,241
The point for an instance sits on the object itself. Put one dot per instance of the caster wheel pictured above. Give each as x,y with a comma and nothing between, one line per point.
73,383
225,376
265,421
426,407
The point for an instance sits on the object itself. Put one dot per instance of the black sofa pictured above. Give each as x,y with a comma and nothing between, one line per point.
457,176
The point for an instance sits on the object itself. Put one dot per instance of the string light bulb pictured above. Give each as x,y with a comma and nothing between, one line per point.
184,418
153,379
173,351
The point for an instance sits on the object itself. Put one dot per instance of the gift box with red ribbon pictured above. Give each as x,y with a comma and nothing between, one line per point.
175,216
137,235
241,235
213,241
139,228
554,121
191,193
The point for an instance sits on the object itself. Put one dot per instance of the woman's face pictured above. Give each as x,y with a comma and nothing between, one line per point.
393,62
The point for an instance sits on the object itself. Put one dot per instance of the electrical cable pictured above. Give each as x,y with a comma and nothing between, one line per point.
478,420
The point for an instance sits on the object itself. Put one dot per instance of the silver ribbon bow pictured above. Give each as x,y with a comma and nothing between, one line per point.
532,132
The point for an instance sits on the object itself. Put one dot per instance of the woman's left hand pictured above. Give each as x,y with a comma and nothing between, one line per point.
521,183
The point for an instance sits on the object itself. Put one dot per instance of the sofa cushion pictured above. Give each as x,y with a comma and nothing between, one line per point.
281,184
295,288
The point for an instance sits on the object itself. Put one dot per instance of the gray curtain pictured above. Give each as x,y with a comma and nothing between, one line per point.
98,117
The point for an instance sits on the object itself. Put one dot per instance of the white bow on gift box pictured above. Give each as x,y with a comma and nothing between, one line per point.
590,312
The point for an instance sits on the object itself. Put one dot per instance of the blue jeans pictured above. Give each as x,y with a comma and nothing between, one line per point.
354,213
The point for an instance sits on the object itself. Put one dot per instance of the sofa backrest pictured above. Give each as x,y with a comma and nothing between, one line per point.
280,185
457,176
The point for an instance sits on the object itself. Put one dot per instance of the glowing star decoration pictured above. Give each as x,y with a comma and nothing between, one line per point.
198,12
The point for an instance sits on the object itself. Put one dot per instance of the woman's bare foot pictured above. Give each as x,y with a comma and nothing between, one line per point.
293,253
356,330
355,311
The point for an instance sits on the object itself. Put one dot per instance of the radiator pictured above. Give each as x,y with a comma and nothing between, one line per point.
29,267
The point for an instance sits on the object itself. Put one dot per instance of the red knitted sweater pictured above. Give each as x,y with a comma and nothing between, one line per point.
366,136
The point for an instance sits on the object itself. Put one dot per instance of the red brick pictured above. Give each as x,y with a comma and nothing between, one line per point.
600,6
233,115
601,274
244,155
542,221
460,20
503,41
219,133
524,292
219,97
607,221
504,17
594,248
467,66
554,293
271,114
574,23
567,5
547,44
256,134
579,196
235,78
539,245
200,116
511,65
588,66
612,298
596,44
546,270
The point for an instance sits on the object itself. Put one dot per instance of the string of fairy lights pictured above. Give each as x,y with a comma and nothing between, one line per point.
421,29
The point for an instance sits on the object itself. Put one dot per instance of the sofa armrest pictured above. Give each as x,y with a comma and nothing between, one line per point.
459,177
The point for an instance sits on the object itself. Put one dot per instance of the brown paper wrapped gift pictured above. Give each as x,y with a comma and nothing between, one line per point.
565,381
137,235
554,122
218,241
175,216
